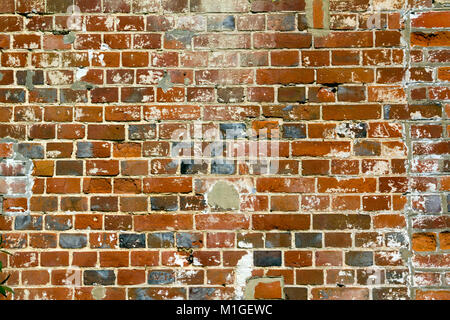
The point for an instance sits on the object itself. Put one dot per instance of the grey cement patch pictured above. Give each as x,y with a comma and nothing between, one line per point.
69,38
224,196
29,80
98,293
310,20
165,83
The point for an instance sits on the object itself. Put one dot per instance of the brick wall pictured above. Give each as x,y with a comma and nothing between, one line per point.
233,149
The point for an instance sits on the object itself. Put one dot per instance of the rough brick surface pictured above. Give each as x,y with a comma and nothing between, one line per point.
233,149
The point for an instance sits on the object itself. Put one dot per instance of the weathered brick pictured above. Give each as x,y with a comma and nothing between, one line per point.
130,241
120,118
267,258
99,277
72,241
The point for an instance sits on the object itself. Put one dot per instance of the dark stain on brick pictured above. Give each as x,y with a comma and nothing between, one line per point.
267,258
99,277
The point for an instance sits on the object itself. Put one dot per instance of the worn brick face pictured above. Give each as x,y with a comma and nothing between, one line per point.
169,149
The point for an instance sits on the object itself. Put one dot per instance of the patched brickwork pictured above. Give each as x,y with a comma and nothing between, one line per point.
428,154
233,149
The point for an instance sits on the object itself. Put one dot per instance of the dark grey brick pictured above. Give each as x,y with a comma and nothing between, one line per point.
84,150
359,258
222,167
294,131
99,277
189,240
267,258
57,223
193,167
201,293
27,222
31,151
233,130
133,240
165,203
72,241
308,240
161,277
